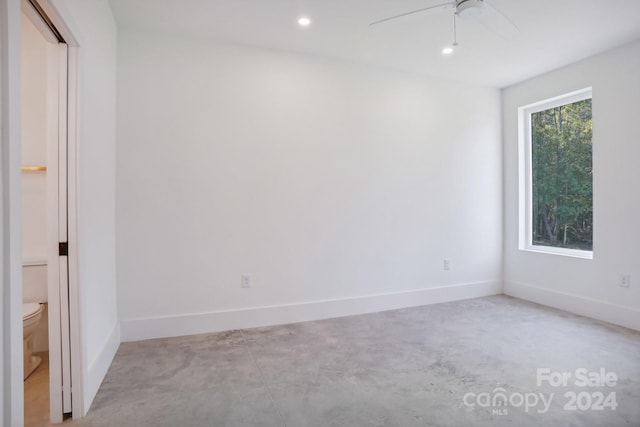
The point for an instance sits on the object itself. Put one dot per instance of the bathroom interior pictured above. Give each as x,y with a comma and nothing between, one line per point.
39,126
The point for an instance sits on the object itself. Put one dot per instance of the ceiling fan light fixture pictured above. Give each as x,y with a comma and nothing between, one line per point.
449,49
468,8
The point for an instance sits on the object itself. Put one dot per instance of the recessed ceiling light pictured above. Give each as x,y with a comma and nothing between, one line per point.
303,21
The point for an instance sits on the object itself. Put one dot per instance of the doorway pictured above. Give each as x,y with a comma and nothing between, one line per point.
47,119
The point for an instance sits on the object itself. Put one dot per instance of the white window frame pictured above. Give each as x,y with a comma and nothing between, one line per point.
525,172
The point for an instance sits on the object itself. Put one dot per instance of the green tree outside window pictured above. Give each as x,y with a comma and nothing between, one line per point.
562,180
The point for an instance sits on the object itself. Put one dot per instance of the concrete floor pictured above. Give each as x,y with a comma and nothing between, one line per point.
410,367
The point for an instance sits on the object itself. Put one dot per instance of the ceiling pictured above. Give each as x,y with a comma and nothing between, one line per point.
552,33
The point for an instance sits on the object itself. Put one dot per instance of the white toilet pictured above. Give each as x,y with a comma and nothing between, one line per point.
31,316
34,290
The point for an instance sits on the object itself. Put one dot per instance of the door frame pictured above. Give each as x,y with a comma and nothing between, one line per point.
56,205
11,373
70,163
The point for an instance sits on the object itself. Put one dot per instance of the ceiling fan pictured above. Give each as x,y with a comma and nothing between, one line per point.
480,10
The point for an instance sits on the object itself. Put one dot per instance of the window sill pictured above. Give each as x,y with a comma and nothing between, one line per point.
574,253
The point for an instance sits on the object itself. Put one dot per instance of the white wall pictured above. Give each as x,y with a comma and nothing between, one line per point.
588,287
93,25
36,53
327,182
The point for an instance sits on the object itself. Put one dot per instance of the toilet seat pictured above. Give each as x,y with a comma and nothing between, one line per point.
30,310
31,316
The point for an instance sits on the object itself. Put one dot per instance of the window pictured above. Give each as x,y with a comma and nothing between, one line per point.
556,180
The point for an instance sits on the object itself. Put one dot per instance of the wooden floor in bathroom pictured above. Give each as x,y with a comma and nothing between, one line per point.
36,395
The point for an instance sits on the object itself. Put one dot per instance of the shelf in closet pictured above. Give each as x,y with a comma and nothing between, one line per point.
33,168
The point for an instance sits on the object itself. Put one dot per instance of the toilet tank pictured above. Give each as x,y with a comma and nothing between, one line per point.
34,282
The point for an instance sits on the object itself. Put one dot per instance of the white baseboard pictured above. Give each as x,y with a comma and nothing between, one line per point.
197,323
584,306
99,366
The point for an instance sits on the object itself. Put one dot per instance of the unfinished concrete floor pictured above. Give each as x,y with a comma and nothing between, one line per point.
425,366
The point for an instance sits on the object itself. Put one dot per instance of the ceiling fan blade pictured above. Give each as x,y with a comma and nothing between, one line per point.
431,10
496,21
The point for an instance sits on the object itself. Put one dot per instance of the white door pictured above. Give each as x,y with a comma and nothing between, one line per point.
59,332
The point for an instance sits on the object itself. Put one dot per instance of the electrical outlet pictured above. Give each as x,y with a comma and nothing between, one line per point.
625,280
446,264
245,281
